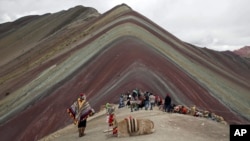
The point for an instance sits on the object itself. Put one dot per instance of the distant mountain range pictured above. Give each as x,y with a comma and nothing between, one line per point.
47,60
244,52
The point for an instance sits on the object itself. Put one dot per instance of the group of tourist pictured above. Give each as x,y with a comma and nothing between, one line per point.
138,99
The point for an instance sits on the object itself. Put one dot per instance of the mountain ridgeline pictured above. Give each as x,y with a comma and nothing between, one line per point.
47,60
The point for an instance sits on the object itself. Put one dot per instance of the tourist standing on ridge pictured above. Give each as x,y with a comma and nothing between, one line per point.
128,101
146,100
167,103
121,101
152,101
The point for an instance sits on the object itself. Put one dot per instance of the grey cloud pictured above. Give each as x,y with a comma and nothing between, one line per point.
219,25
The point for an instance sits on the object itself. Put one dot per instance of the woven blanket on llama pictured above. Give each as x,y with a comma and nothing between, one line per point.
132,124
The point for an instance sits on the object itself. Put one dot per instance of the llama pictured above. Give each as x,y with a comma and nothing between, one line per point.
129,126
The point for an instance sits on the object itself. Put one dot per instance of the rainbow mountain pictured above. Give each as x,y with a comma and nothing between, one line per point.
47,60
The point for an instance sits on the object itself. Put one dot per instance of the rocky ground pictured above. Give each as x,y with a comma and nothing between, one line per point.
174,127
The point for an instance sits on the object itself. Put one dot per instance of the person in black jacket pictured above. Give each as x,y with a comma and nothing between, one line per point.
167,103
146,100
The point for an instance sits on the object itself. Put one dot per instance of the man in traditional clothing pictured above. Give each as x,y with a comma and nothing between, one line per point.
82,121
79,111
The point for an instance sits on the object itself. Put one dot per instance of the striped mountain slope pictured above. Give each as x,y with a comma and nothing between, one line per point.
46,61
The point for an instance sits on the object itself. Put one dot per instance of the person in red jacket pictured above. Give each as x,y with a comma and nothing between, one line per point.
183,110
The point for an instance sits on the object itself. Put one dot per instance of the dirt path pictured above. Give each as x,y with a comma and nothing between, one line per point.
174,127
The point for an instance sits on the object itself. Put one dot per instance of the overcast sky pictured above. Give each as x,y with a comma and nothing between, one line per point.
215,24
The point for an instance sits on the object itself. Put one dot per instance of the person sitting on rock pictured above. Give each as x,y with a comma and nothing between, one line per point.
183,110
172,107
